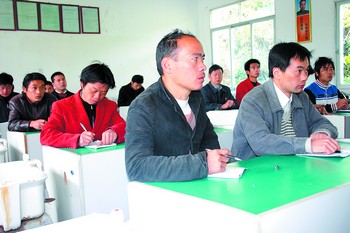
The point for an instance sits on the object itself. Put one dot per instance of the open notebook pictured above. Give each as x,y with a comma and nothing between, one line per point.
93,145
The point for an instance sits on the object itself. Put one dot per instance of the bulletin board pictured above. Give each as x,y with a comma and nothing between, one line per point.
90,18
7,15
27,16
22,15
50,17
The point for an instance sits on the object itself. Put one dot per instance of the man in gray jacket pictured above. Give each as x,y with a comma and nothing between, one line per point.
278,117
168,134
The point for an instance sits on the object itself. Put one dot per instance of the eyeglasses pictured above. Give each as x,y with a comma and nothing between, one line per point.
7,87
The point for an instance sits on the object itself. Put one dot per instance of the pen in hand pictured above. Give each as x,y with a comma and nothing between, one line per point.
233,157
82,126
229,156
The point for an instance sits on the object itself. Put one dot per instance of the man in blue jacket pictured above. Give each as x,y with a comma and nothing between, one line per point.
168,134
278,117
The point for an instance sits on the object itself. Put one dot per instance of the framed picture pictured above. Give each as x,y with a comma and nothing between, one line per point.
90,18
7,15
50,17
70,19
27,16
303,20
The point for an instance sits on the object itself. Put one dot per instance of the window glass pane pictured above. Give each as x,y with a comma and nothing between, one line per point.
254,9
224,16
345,41
241,52
239,34
262,42
221,55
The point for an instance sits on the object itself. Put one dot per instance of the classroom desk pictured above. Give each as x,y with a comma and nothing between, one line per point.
223,118
84,180
96,222
225,137
20,143
3,129
305,195
123,111
342,121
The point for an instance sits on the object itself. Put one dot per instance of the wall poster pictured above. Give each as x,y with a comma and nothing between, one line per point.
303,20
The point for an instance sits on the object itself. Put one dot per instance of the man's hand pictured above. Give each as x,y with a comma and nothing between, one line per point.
37,124
228,104
217,160
86,138
322,143
108,137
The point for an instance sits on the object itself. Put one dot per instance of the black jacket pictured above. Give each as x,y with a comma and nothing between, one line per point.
4,107
22,111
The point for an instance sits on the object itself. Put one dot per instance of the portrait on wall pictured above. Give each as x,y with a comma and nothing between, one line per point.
303,20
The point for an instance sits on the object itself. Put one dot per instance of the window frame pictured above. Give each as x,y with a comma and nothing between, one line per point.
230,27
340,51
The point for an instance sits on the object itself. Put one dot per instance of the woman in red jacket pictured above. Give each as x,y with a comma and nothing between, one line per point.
86,116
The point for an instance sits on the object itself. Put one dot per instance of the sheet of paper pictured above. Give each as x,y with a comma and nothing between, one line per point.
231,172
343,110
94,145
342,154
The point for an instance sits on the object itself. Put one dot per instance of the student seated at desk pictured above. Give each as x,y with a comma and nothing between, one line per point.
278,117
325,96
252,69
49,87
88,115
216,95
59,83
30,110
6,93
168,130
130,91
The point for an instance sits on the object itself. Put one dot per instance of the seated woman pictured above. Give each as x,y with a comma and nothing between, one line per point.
88,115
325,96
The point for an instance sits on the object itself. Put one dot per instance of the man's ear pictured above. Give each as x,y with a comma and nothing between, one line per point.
317,74
24,89
276,72
167,65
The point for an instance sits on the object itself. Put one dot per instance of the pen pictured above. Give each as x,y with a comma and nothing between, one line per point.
82,126
228,156
233,157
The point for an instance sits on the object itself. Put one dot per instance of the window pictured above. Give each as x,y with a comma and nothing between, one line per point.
239,32
343,59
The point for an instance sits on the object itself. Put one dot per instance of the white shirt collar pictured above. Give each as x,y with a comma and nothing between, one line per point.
283,99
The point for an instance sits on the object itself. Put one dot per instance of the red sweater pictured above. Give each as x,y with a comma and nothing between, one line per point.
243,88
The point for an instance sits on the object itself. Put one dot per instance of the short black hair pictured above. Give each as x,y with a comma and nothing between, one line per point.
249,62
48,83
137,79
281,54
31,77
97,73
6,79
167,47
215,67
54,74
322,62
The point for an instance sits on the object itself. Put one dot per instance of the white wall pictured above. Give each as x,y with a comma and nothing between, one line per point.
130,31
